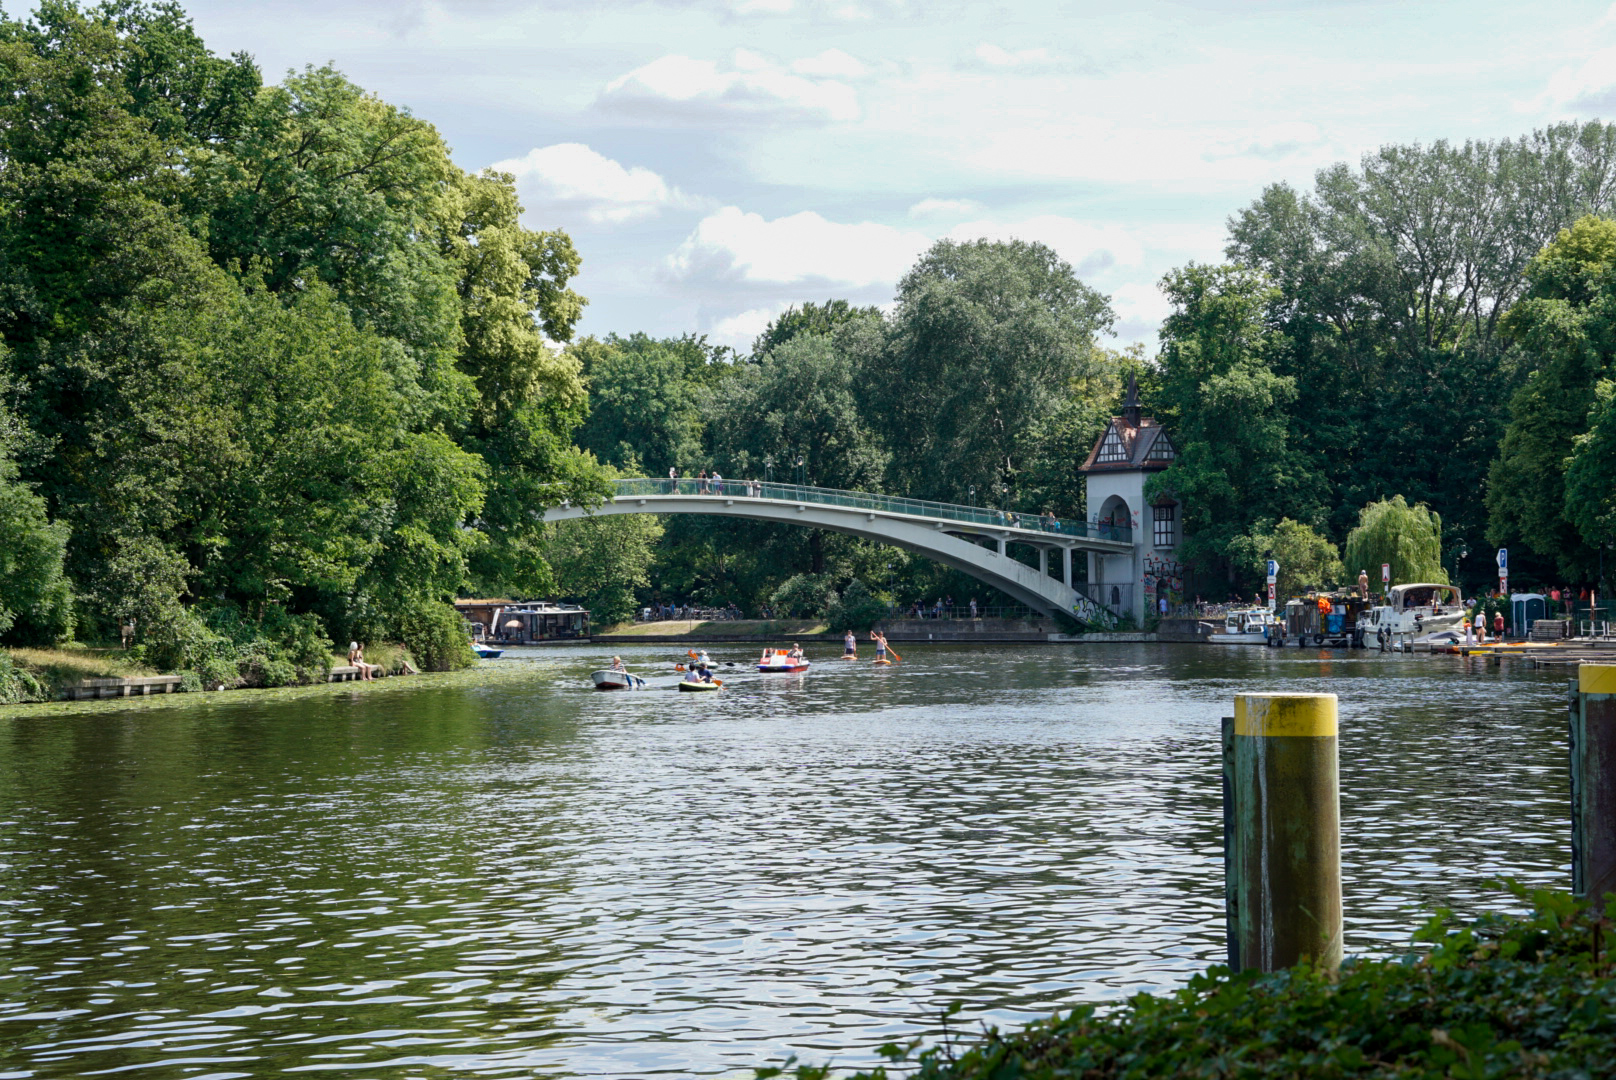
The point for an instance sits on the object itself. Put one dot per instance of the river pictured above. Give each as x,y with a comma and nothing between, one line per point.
504,873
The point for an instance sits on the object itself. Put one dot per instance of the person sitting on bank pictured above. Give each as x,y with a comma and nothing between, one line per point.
356,658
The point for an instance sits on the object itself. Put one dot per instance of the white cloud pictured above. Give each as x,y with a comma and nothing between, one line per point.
679,87
734,245
1091,249
571,176
761,7
1588,85
830,64
1140,304
996,56
943,207
739,331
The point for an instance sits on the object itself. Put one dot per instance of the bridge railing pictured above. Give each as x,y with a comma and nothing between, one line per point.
864,500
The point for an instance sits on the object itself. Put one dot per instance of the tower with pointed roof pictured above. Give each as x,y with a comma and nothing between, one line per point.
1131,447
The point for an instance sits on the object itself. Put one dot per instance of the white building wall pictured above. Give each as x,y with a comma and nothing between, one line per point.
1126,489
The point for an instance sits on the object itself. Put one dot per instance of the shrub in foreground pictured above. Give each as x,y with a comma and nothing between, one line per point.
1501,997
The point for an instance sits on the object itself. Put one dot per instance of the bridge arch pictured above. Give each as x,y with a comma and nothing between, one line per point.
969,539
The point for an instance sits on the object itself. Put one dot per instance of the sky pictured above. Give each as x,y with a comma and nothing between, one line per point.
715,161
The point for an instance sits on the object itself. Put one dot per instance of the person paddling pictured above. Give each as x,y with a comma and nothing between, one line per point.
849,646
880,645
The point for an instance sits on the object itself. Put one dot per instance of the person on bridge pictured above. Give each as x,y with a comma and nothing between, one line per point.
849,645
673,479
718,483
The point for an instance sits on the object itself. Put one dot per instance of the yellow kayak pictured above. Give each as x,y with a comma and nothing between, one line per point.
685,684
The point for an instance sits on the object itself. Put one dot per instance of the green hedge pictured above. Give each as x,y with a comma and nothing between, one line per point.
1501,997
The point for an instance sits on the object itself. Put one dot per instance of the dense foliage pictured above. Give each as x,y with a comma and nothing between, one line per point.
275,358
1503,996
1393,533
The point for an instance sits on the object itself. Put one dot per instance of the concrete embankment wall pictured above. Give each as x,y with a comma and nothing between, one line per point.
982,631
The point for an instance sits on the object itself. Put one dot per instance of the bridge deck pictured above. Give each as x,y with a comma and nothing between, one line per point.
981,521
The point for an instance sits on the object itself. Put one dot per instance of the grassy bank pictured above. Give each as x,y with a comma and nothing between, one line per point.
1501,997
681,627
43,674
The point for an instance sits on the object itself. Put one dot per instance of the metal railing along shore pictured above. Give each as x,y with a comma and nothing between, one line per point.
863,500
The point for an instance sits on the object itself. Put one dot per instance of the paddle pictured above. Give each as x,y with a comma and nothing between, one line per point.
894,653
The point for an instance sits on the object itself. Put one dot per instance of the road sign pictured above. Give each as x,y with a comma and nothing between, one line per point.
1386,573
1503,561
1271,588
1273,569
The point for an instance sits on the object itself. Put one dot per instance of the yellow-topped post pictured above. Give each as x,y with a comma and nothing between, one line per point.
1282,831
1593,781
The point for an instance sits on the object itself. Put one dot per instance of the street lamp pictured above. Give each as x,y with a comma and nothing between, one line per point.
768,470
802,472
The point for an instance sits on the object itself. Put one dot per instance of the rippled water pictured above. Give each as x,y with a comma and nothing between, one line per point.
510,874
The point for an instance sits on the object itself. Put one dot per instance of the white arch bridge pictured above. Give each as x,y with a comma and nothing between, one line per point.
968,538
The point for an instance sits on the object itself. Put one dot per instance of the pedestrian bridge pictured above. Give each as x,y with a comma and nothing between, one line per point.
968,538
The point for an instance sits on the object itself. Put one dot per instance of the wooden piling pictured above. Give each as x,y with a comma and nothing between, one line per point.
1282,832
1593,781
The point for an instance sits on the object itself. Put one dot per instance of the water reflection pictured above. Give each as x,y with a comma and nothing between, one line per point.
524,877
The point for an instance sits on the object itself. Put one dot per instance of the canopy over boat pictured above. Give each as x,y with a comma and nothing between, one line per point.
777,660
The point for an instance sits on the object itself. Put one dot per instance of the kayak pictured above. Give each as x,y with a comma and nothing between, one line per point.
698,687
607,679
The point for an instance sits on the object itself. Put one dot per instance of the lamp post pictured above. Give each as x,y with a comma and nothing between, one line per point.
802,472
768,470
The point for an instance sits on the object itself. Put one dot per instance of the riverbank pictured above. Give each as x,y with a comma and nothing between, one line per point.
37,676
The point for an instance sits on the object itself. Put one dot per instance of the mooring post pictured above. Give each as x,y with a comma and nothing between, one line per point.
1593,781
1282,832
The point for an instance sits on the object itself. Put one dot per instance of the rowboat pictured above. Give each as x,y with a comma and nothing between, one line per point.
778,660
698,687
607,679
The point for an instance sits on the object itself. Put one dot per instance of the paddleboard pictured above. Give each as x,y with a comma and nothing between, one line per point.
884,662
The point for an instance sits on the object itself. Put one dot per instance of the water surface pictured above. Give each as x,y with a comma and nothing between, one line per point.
508,874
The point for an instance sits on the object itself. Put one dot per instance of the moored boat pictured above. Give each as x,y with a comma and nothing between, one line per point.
607,679
1418,609
780,660
486,652
1248,626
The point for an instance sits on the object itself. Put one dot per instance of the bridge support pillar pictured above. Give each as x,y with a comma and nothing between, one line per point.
999,544
1043,561
1066,566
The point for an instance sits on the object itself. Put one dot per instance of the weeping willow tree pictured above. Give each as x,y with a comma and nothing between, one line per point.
1407,537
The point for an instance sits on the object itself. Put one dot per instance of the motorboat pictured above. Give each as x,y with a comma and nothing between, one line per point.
607,679
486,652
696,686
1415,610
780,660
1246,626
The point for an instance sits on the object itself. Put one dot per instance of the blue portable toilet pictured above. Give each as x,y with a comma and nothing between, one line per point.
1526,609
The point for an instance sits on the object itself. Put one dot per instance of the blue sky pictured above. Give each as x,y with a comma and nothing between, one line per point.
716,161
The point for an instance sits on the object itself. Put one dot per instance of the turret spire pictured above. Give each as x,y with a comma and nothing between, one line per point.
1130,407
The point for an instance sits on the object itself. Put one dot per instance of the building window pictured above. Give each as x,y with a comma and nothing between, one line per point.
1161,449
1111,448
1163,518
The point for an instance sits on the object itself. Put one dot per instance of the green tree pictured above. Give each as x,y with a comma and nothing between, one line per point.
796,401
811,318
1306,559
986,339
36,601
645,406
1566,324
1394,277
803,596
1590,479
1407,537
1227,410
600,562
